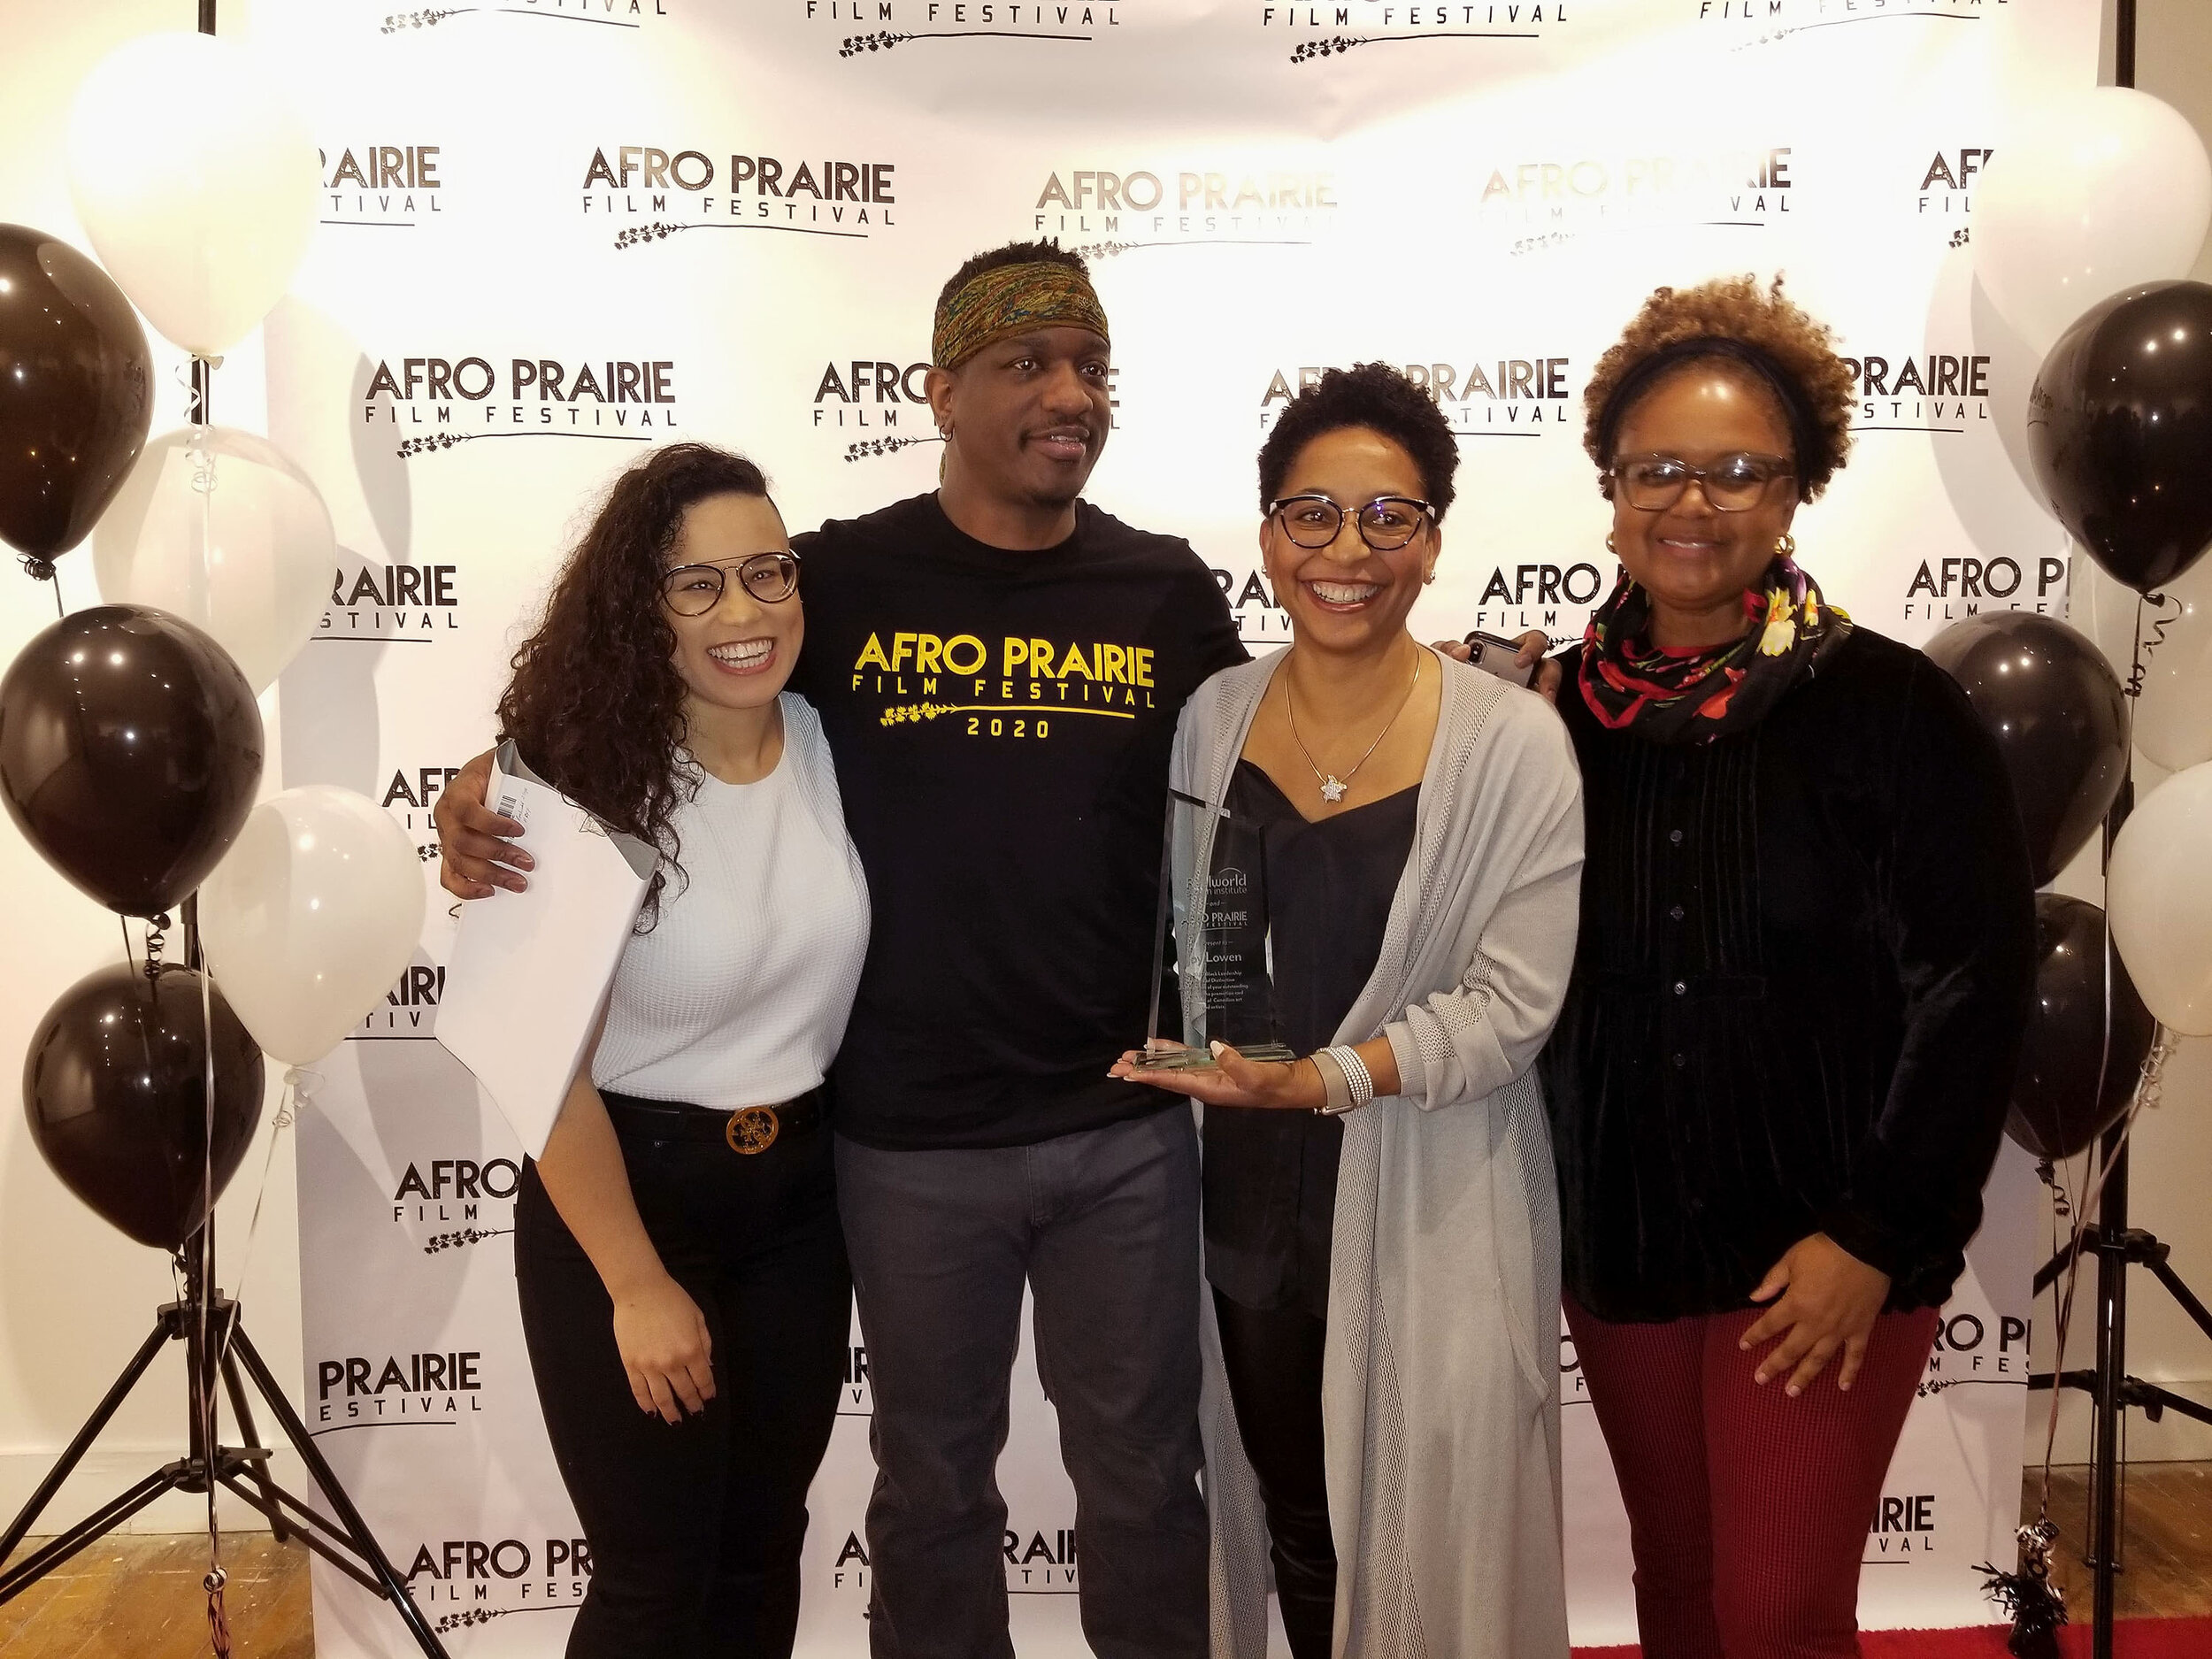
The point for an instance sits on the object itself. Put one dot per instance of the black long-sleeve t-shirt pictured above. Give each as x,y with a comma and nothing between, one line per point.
1000,722
1806,958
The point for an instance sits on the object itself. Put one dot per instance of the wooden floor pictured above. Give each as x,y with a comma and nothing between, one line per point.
139,1598
2166,1556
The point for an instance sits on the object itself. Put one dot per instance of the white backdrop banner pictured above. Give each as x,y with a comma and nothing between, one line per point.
557,230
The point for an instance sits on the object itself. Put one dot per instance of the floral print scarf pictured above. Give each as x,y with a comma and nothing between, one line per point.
1695,697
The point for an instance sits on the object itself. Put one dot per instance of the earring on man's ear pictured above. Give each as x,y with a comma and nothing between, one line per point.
1785,546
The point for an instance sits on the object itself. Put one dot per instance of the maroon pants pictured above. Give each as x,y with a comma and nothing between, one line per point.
1747,1510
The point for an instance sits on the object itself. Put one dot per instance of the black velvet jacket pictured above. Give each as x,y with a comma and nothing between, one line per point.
1806,958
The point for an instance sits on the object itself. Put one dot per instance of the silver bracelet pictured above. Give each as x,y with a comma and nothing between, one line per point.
1355,1069
1336,1087
1360,1086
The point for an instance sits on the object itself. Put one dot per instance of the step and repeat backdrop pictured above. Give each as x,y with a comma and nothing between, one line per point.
554,231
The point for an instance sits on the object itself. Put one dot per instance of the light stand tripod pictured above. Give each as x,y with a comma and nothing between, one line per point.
217,1351
2118,1246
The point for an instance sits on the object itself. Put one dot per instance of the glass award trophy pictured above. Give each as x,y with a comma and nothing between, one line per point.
1221,958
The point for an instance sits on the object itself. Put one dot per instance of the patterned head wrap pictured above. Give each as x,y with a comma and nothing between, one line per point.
1008,298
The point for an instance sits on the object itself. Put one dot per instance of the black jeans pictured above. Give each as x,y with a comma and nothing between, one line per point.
695,1527
1102,1224
1273,1362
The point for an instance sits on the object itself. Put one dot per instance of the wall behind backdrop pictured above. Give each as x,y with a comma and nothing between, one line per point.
556,228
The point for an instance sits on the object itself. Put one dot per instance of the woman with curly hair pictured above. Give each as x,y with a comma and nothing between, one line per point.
1805,961
682,1277
1381,1411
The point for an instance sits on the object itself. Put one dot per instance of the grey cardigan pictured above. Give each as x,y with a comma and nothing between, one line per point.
1440,1392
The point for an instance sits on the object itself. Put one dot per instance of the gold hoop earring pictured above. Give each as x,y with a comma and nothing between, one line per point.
1609,547
1785,546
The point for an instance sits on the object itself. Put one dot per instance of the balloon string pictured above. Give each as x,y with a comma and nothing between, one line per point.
218,1622
299,1086
2146,649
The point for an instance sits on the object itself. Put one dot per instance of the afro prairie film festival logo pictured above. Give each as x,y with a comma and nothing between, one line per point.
648,194
431,404
1103,213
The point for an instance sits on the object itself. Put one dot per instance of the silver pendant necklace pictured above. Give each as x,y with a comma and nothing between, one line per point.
1332,788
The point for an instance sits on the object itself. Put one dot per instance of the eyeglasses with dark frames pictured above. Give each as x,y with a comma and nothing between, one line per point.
692,590
1734,483
1385,524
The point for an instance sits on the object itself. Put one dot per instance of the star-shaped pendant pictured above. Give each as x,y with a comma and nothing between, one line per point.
1332,791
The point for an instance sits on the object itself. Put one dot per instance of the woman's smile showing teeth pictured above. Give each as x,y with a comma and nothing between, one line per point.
742,657
1343,596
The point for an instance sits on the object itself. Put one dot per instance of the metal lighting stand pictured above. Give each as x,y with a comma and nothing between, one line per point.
217,1351
2117,1247
220,1355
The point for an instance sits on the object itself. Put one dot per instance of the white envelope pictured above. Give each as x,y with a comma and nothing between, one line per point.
529,971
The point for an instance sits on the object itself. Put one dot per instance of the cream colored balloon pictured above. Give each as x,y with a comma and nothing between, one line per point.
2158,891
310,916
2090,192
197,181
220,527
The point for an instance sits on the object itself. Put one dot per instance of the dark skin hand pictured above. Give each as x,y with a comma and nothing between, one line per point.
1534,643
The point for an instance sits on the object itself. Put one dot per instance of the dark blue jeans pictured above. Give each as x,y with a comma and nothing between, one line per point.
695,1527
1103,1226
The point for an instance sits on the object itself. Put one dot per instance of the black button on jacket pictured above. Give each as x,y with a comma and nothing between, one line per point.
1807,955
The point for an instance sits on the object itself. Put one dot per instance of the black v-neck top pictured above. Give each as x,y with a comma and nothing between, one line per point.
1271,1176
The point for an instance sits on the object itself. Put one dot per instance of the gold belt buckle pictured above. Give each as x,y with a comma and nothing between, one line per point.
752,1130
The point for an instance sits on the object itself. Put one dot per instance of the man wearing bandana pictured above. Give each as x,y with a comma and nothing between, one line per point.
998,667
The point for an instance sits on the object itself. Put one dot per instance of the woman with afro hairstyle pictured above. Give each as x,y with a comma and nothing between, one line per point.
683,1280
1805,956
1381,1407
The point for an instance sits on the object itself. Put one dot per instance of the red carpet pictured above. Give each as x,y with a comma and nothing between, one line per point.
2134,1639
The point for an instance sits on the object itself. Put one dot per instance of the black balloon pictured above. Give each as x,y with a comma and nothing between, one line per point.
76,391
2058,1106
2048,697
115,1088
130,749
2120,428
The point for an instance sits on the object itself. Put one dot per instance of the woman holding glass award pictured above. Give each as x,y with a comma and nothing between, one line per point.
1375,859
681,1272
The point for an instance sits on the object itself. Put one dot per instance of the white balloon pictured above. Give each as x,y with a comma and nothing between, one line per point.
310,916
2093,191
2173,717
2160,897
221,527
197,181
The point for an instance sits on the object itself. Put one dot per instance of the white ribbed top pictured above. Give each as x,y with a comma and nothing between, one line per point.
739,995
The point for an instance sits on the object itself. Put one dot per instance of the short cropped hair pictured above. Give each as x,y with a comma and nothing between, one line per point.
1381,399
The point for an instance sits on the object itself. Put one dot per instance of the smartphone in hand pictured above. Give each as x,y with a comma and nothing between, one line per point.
1495,656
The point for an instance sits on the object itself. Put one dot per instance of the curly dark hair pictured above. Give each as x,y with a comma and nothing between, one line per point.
595,702
1376,397
1046,252
1777,342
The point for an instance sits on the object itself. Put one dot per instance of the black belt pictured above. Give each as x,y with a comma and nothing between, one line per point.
747,1130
